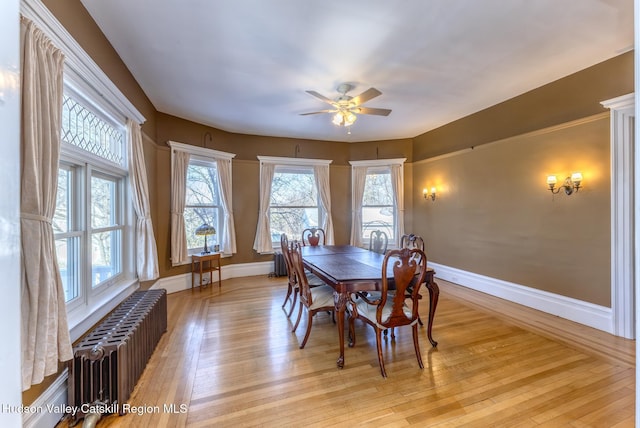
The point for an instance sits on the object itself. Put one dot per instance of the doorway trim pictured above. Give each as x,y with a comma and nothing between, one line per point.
622,111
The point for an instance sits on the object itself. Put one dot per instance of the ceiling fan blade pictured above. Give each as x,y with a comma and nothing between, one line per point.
370,110
321,97
317,112
366,96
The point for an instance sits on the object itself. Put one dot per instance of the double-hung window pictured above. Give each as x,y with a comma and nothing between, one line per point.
93,217
294,204
201,192
377,199
294,195
202,205
378,210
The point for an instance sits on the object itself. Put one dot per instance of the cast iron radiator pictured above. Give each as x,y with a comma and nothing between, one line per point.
279,266
110,359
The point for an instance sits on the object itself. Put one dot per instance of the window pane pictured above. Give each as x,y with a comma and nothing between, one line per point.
378,218
201,185
105,256
67,251
84,129
291,221
194,217
62,216
378,190
103,198
294,189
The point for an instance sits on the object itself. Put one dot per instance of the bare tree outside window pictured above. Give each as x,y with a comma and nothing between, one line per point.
378,212
202,203
294,202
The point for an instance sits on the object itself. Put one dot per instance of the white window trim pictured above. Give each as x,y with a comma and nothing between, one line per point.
292,163
200,151
204,154
378,162
82,74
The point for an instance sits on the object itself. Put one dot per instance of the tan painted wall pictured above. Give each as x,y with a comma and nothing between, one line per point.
494,215
246,170
573,97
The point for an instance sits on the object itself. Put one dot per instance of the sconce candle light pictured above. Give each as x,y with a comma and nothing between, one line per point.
431,195
569,185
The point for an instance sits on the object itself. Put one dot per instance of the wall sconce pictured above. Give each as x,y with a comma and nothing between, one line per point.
431,195
569,185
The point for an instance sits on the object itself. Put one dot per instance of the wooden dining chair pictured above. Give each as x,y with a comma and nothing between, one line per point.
292,282
293,288
412,241
391,309
378,241
314,236
314,299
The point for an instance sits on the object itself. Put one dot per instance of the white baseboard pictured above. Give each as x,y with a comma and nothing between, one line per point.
182,282
586,313
50,405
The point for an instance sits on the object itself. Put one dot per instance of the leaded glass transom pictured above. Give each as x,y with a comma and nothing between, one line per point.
86,130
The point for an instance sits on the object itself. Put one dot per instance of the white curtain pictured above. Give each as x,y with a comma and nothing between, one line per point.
321,173
179,252
262,242
146,250
228,229
397,183
358,177
45,332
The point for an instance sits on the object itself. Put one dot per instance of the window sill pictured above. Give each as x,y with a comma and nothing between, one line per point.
82,318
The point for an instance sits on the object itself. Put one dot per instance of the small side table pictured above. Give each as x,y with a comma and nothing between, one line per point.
205,263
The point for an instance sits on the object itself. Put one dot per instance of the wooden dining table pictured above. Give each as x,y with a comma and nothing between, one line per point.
350,269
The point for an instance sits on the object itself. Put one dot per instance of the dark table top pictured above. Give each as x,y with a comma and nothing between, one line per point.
345,263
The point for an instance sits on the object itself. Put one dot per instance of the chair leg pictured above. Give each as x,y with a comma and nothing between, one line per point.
420,321
306,334
289,289
293,303
352,332
379,344
298,320
416,345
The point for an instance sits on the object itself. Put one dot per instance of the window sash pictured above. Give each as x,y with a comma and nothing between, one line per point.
287,225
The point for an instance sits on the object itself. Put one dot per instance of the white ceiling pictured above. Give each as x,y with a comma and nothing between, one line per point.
244,65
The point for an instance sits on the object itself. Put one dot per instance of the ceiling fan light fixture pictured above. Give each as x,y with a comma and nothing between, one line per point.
344,118
349,118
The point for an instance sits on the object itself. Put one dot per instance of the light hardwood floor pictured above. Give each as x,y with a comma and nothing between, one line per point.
230,359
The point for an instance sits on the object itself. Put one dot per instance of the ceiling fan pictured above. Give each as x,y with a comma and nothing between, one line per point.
346,107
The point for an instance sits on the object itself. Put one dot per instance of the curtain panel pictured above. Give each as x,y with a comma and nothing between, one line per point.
229,228
179,251
146,250
262,243
321,173
44,330
358,175
397,182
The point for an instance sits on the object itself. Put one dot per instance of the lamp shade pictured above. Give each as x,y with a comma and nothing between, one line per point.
205,230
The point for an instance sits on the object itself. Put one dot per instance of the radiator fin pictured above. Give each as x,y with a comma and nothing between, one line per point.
110,359
279,265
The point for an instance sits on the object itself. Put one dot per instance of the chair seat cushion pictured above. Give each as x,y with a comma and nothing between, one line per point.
313,280
322,296
368,311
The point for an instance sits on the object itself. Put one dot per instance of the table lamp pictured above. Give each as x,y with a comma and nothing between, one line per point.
205,230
